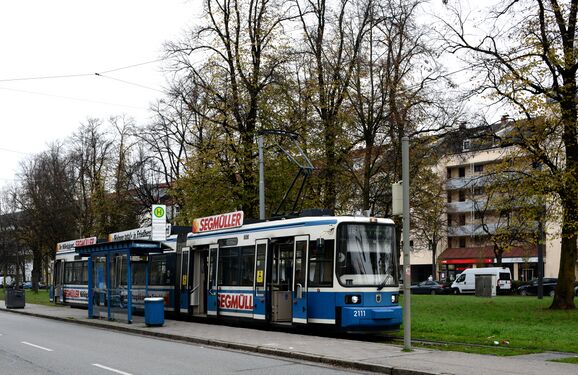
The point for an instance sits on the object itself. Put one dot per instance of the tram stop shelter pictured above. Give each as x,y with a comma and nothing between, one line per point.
113,269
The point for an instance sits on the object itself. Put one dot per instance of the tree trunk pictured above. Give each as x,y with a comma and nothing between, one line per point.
36,268
564,297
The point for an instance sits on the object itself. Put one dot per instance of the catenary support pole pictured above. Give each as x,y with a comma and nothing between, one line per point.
406,247
261,180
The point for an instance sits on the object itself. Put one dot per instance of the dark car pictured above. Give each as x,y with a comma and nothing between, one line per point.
531,289
28,285
430,287
576,291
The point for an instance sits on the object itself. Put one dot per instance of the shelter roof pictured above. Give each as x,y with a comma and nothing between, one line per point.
136,247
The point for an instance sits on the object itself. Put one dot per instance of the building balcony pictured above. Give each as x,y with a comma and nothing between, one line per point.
470,230
466,206
457,183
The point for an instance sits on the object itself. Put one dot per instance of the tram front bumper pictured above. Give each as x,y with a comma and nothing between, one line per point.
371,317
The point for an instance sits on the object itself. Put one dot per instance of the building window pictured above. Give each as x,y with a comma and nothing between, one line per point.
449,197
478,215
478,168
462,219
479,190
449,220
449,172
462,171
462,242
462,197
466,145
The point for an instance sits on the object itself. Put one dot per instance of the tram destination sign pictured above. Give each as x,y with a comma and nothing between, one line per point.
71,245
217,222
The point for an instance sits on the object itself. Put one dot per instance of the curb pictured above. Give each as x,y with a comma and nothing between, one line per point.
356,365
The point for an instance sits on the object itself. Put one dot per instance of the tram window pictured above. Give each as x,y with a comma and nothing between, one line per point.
84,273
236,266
75,272
68,273
321,264
229,266
247,265
138,270
161,272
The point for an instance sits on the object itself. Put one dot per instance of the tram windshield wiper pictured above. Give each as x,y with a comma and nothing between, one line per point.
384,282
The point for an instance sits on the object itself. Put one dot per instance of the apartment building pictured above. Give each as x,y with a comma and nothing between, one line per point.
468,154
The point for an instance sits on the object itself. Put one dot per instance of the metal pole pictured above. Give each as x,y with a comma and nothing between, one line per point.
541,243
261,179
406,258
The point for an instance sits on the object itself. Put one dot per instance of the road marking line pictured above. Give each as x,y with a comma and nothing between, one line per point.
37,346
111,369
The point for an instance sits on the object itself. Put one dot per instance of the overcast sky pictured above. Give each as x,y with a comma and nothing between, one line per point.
42,38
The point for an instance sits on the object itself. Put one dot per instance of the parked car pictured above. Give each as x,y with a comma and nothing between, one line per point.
28,285
576,291
430,287
531,289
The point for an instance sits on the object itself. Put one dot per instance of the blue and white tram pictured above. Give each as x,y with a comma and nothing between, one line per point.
332,270
337,271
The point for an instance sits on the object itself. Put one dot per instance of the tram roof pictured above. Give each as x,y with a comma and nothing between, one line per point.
136,247
292,222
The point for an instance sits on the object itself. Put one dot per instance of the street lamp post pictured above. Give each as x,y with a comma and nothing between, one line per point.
406,246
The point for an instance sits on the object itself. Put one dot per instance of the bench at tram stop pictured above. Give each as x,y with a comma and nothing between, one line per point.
154,311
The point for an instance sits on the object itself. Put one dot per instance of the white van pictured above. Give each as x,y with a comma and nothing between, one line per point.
466,281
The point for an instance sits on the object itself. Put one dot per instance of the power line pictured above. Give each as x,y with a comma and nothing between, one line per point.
81,74
45,77
14,151
72,98
127,82
132,66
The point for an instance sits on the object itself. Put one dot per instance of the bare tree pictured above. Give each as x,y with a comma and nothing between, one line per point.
48,203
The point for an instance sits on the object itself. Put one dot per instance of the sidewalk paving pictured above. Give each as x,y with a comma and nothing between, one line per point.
368,356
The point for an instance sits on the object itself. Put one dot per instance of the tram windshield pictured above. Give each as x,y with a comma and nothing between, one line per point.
365,255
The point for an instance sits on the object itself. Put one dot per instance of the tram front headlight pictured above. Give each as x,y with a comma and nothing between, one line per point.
353,299
394,298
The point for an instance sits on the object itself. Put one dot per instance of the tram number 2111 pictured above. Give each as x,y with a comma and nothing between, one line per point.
359,313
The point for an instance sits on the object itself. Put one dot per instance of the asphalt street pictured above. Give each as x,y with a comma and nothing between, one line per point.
38,346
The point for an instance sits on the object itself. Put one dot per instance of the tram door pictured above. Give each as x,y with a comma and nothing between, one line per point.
300,279
184,279
260,297
58,281
281,285
198,282
212,287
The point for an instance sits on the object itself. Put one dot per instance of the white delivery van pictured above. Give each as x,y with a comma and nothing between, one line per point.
466,281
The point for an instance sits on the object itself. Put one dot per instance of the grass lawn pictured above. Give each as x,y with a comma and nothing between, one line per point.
522,322
573,360
40,298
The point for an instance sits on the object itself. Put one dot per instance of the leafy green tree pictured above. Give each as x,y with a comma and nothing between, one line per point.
242,40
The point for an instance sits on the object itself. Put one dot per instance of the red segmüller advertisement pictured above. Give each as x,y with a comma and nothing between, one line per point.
217,222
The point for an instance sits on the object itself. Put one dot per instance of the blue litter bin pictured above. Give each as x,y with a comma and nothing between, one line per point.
154,311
